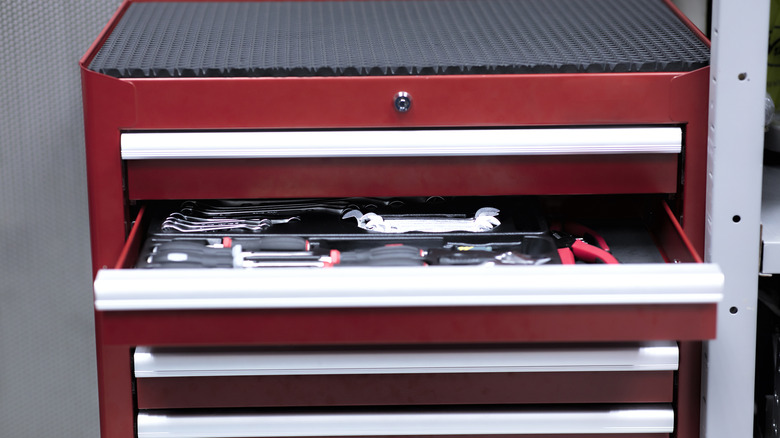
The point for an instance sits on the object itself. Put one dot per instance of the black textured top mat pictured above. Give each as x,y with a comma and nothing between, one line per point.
397,37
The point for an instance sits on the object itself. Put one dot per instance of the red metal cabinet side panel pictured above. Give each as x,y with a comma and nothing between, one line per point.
689,102
115,392
688,402
109,105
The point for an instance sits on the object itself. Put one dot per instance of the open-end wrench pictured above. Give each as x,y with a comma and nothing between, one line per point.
271,207
484,220
173,224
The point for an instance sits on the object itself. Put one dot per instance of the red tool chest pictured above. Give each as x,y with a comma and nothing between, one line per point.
594,109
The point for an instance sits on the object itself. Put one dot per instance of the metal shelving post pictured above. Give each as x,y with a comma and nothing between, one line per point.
737,87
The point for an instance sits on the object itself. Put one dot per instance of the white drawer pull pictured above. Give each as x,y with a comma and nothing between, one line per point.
401,143
650,356
348,287
607,421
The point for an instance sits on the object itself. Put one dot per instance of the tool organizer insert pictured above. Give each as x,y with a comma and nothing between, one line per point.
373,232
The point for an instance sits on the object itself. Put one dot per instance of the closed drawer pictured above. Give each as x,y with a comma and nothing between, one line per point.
293,163
519,374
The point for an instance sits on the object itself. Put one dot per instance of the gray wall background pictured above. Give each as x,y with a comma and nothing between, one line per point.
47,361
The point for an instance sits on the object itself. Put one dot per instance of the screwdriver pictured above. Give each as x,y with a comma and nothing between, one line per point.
194,247
194,254
183,259
270,243
390,255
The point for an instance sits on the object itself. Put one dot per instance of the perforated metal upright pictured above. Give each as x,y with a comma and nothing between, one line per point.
736,114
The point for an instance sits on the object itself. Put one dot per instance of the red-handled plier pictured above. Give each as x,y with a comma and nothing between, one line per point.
571,248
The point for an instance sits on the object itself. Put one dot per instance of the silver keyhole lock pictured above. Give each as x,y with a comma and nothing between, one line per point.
403,102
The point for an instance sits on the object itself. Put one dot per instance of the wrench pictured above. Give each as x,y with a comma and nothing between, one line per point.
173,224
265,207
484,220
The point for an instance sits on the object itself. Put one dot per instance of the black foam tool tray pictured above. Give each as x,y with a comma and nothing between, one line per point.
397,37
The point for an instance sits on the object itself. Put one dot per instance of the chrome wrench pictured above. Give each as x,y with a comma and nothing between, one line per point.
484,220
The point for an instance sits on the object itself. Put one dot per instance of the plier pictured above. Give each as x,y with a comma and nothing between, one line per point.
570,239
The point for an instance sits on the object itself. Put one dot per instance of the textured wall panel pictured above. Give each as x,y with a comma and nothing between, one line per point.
47,360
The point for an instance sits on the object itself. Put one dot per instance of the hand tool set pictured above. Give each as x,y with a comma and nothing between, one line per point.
365,232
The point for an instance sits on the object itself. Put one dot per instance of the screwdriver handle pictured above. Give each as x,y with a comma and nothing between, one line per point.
191,259
394,255
274,243
271,243
188,246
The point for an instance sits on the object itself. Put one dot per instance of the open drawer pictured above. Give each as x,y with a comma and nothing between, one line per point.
411,304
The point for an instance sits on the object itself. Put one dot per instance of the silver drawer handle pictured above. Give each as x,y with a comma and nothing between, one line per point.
204,362
635,420
147,289
401,143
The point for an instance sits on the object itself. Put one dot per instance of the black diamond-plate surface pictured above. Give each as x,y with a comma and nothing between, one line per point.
398,37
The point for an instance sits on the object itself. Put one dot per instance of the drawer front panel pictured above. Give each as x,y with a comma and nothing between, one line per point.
360,287
364,326
214,378
427,389
553,303
401,176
